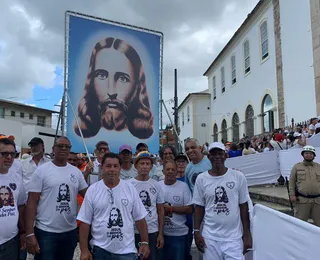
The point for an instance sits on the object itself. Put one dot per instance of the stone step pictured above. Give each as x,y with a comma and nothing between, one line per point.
270,198
275,206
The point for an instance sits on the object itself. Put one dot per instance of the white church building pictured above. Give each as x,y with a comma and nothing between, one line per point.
268,72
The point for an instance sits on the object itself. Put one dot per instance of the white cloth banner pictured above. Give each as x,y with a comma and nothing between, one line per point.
288,158
314,140
261,168
277,236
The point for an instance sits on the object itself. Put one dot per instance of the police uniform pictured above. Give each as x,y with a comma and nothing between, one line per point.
305,185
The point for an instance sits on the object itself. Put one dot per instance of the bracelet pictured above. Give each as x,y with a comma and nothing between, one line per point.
143,243
30,235
196,230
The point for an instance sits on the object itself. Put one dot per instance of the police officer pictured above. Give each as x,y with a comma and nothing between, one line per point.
305,186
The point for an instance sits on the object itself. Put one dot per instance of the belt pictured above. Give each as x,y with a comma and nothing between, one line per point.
307,196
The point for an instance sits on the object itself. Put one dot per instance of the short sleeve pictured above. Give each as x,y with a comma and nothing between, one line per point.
160,195
243,189
187,197
198,197
82,182
138,210
36,183
22,197
86,211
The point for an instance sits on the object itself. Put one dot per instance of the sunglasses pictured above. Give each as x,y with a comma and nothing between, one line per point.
61,146
6,154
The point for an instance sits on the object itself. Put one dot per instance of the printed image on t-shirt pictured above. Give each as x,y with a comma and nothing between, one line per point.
221,200
115,223
194,177
146,201
63,199
6,196
167,217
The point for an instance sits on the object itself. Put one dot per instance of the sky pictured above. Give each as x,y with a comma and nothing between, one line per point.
32,41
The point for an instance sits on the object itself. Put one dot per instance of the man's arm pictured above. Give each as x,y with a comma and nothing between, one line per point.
31,210
198,216
21,222
83,192
160,210
245,219
142,228
181,210
292,184
83,236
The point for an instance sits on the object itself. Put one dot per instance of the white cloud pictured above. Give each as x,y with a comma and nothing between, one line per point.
32,37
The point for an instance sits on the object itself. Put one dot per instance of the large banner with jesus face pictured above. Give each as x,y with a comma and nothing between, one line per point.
113,80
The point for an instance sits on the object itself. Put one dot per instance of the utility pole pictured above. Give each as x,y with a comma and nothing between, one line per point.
176,117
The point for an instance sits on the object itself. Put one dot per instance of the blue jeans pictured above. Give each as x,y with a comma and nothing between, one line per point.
174,248
101,254
56,246
155,253
10,249
189,239
23,255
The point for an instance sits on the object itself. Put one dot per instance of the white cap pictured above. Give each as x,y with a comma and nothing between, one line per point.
286,131
217,145
296,134
317,126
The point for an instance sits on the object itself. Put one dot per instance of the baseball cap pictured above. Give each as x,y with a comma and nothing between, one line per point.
35,140
139,145
100,143
217,145
296,134
181,156
143,155
125,147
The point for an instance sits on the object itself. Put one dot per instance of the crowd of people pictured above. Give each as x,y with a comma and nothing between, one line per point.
279,139
128,205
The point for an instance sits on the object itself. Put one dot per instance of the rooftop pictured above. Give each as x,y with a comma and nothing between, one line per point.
28,106
201,93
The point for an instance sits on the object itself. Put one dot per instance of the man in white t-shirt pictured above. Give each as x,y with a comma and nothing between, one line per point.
12,201
52,205
102,148
221,199
198,162
128,170
178,203
151,196
111,207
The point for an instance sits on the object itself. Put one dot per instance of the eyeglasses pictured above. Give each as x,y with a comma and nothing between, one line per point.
111,199
61,146
6,154
103,149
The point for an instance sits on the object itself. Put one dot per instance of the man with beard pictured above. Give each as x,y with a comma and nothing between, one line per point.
128,170
37,159
305,186
115,95
198,162
52,206
12,200
110,208
101,149
151,196
221,199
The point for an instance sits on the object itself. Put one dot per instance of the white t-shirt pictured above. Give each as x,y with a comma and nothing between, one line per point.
177,194
12,195
95,175
221,196
151,195
128,174
112,214
157,174
28,169
58,205
312,127
16,166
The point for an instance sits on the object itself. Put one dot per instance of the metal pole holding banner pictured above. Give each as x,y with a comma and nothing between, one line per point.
174,128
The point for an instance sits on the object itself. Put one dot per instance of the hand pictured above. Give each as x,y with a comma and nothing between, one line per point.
89,167
200,243
247,242
167,209
32,245
85,255
144,251
160,241
293,199
22,242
